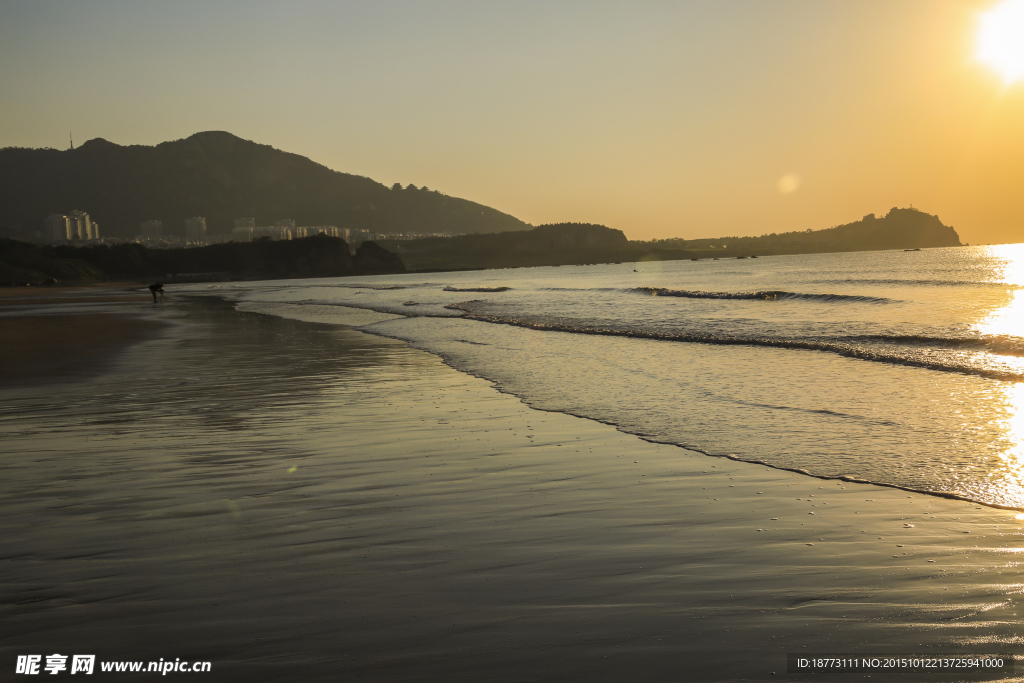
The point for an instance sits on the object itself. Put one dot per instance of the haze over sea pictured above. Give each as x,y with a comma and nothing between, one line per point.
898,368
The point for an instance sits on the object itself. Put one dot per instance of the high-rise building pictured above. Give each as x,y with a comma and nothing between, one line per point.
274,232
286,223
245,223
329,230
241,234
79,225
56,227
195,229
74,226
151,229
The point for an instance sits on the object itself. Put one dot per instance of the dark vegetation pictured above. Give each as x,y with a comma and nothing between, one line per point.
220,177
578,243
547,245
318,256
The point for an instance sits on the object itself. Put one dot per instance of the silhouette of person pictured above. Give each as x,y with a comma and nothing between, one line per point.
153,289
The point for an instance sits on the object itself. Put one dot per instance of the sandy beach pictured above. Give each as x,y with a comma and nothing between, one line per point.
53,333
297,501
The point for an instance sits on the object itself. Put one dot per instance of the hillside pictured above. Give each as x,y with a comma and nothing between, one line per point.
898,229
221,177
577,243
547,245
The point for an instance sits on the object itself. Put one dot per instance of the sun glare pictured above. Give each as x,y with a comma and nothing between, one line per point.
789,183
1001,39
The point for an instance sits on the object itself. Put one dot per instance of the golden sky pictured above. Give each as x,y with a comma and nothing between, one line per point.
662,119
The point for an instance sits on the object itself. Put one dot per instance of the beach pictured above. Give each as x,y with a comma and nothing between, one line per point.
50,333
292,500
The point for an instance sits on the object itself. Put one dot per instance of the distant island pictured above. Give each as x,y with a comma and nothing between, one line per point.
220,177
579,243
898,229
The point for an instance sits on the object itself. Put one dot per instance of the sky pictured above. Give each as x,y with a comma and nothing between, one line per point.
662,119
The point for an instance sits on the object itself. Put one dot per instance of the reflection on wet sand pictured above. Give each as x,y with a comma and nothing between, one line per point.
1012,454
294,501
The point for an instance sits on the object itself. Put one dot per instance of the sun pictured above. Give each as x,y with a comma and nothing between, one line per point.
1001,39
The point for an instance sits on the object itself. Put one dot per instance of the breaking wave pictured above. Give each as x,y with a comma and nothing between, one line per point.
769,295
895,350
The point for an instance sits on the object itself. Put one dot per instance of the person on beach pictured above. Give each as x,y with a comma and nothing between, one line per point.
153,289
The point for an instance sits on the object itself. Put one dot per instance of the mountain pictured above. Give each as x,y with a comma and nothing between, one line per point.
221,177
578,243
898,229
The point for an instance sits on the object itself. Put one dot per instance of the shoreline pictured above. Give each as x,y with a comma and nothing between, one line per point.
949,495
291,499
61,333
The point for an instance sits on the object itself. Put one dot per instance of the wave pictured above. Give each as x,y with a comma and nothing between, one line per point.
449,288
925,282
1002,345
379,288
768,295
846,347
877,479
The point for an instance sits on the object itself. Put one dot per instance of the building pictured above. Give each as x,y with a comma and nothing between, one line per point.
56,227
75,226
79,225
243,229
286,223
274,232
360,236
195,229
151,229
329,230
241,234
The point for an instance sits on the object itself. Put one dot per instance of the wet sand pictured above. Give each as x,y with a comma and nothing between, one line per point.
45,348
295,501
52,334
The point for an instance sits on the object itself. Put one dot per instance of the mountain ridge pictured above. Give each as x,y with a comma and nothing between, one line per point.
220,176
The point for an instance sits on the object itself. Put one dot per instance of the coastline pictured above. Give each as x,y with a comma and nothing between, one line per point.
291,499
56,333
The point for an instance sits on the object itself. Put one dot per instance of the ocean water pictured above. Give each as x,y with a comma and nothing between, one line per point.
897,368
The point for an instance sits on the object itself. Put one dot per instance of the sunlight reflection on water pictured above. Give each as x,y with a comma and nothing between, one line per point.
1012,456
893,367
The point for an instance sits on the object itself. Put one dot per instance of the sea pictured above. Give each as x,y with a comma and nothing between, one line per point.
898,368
